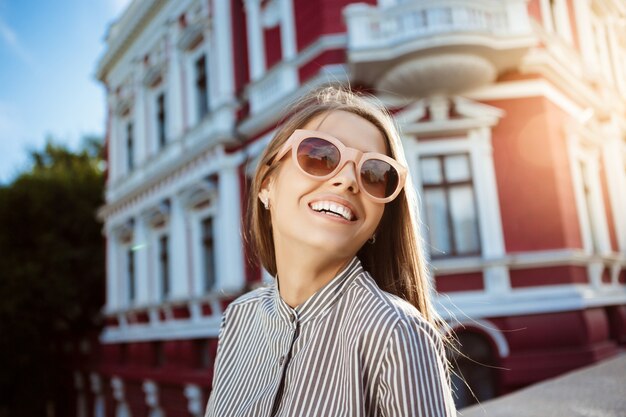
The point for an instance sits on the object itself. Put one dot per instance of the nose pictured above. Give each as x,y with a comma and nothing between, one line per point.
345,179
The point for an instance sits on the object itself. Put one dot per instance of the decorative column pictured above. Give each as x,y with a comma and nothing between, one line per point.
614,163
176,91
139,120
141,248
287,30
584,28
596,206
112,279
496,277
112,156
230,262
255,39
178,243
223,57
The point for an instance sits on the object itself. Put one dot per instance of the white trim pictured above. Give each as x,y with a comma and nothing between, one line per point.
476,143
336,74
229,245
256,47
224,82
112,280
322,44
496,278
169,330
178,243
288,31
196,218
528,301
190,58
521,260
592,208
143,244
583,27
487,327
527,89
614,160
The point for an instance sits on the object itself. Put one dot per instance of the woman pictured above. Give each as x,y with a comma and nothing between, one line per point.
347,328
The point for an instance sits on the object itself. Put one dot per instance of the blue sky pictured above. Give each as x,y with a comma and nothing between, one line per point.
48,56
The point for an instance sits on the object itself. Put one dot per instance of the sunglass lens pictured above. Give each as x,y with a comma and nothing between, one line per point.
379,178
318,156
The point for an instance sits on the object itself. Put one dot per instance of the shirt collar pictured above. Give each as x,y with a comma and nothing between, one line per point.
323,299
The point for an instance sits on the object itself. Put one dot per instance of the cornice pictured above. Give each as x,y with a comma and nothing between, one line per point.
122,32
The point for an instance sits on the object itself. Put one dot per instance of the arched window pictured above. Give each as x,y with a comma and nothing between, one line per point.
473,373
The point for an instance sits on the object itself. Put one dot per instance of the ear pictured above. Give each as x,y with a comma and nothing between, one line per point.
264,196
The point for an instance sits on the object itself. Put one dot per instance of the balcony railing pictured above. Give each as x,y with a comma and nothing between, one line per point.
275,85
376,27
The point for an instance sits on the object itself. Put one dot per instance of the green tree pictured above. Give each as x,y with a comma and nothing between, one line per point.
51,275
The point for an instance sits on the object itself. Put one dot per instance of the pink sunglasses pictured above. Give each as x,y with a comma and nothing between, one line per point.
320,156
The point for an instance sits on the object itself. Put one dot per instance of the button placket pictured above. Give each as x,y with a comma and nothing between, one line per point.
283,362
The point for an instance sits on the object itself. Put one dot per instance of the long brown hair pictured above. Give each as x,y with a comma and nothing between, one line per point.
395,260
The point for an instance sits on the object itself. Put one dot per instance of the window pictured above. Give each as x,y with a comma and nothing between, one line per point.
208,254
164,266
449,204
473,362
202,102
130,272
130,154
161,120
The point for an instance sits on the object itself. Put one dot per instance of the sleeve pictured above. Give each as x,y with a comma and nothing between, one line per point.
413,379
209,411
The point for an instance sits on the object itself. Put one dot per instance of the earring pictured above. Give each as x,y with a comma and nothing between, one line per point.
372,239
266,203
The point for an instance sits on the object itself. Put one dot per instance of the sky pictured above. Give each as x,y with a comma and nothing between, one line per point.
48,56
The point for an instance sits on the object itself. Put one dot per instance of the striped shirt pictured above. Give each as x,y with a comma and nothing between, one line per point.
351,349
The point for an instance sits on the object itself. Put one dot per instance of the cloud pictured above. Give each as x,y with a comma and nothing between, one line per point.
10,38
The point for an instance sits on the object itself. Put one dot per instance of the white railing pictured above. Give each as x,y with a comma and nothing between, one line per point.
279,82
375,27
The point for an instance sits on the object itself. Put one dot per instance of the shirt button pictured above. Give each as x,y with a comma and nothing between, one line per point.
281,360
292,318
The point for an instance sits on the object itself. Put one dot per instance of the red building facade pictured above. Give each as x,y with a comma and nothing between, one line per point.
514,125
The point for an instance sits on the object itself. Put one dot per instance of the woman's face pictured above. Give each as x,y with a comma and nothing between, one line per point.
298,202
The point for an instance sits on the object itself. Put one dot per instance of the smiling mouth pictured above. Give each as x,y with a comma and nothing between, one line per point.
332,208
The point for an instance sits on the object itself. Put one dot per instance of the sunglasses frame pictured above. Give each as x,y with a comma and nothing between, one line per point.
346,154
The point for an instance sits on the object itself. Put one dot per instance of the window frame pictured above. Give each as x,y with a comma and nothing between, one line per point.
199,214
447,186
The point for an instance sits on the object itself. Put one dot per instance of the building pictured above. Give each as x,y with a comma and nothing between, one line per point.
514,123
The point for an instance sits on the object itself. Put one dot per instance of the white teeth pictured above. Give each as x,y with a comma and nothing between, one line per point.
334,208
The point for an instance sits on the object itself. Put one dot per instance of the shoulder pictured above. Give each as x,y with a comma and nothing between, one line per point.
393,314
250,299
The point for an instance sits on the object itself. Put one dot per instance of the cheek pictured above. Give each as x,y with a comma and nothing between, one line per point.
290,185
374,215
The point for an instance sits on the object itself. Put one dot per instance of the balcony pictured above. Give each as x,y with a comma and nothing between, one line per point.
422,48
275,85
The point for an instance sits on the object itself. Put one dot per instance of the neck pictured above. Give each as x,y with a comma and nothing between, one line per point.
303,271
